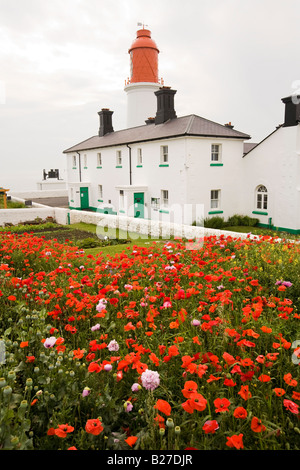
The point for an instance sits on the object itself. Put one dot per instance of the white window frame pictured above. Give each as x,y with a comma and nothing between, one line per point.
100,191
164,198
215,198
85,160
139,156
216,153
261,203
119,158
155,203
164,155
74,161
99,159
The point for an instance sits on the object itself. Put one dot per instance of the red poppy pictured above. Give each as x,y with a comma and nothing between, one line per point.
94,367
94,426
291,406
210,426
221,405
63,430
296,395
289,380
160,420
235,441
131,440
163,406
244,392
256,425
30,358
240,413
190,387
279,391
264,378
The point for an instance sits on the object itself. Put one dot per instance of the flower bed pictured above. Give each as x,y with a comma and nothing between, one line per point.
157,348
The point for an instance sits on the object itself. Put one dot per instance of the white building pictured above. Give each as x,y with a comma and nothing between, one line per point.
271,174
183,169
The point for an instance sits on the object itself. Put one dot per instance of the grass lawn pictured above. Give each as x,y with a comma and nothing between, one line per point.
114,233
11,204
261,231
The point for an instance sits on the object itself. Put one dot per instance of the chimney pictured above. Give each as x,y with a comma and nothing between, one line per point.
165,105
229,125
292,110
105,122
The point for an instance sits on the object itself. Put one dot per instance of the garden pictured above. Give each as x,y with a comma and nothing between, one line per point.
148,346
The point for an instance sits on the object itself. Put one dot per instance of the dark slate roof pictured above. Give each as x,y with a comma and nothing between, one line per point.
248,146
191,125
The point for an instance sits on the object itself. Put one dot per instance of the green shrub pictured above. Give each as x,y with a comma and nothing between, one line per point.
89,243
242,221
214,222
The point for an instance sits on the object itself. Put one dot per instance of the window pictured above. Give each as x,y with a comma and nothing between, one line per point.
74,161
164,156
72,194
216,153
121,200
155,203
165,198
119,158
100,192
85,161
261,197
139,157
99,159
215,198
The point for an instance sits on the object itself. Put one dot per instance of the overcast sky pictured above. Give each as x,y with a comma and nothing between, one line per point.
62,61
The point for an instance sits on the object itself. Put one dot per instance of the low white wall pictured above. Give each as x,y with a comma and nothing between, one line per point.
153,228
16,216
136,227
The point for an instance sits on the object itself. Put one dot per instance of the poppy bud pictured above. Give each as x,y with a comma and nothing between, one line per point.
7,390
11,375
2,382
161,431
177,430
170,423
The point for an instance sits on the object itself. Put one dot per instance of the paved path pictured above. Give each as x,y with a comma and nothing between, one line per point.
52,201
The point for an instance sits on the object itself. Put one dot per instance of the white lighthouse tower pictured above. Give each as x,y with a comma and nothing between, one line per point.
143,80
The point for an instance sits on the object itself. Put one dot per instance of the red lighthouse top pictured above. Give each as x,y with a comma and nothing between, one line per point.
143,58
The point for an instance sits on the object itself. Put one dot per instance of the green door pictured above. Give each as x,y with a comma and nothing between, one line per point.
138,205
84,198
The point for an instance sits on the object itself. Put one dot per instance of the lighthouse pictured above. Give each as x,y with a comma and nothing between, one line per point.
143,81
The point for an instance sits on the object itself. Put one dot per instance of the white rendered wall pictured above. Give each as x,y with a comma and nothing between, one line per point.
39,194
188,178
275,164
48,185
141,103
202,177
